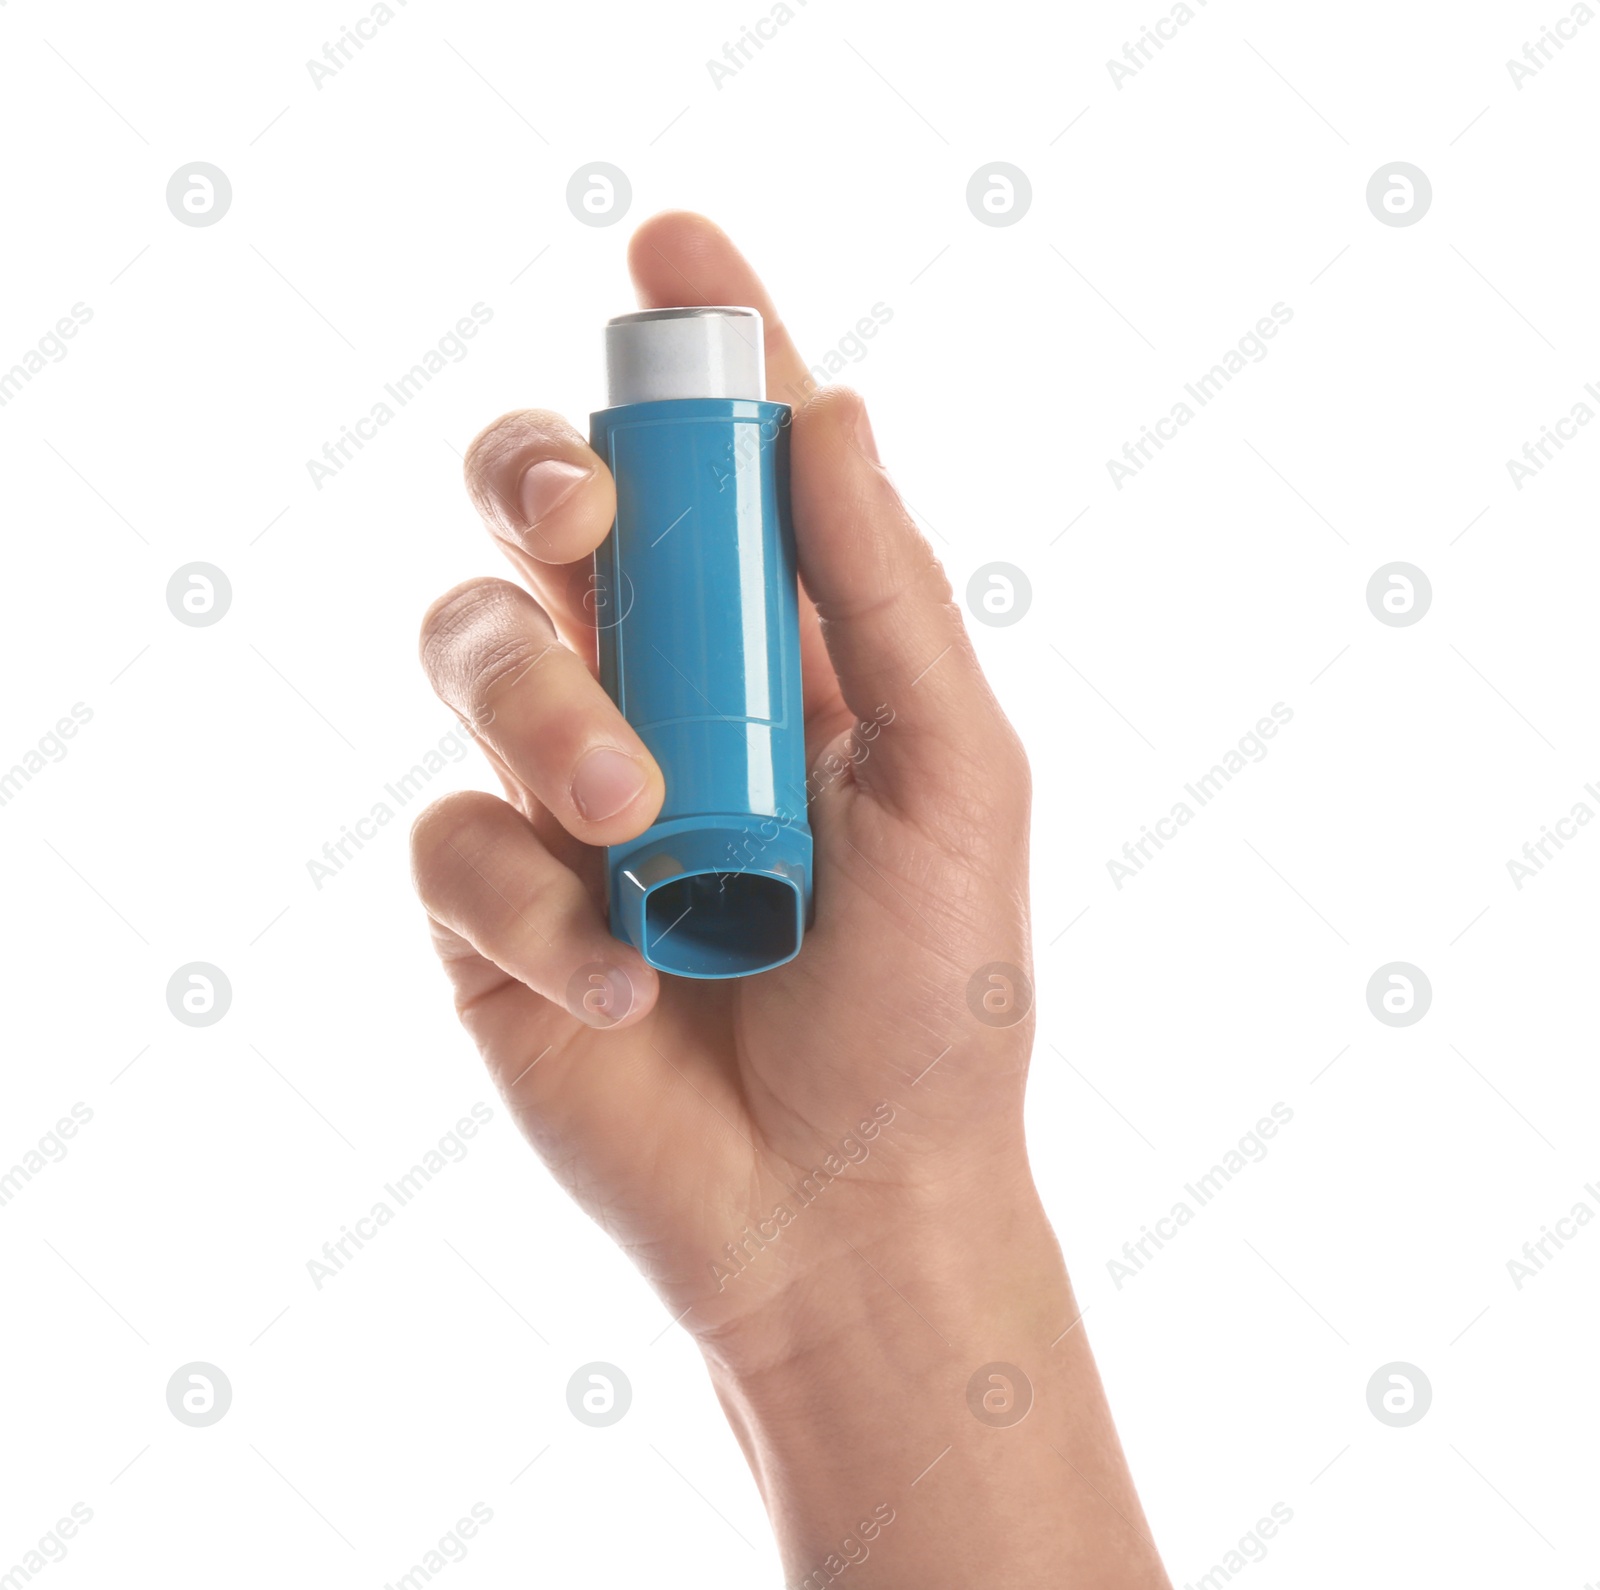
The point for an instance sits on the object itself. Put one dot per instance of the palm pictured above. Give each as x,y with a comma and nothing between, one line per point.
682,1132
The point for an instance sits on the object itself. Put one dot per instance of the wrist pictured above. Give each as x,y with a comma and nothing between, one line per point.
909,1291
942,1361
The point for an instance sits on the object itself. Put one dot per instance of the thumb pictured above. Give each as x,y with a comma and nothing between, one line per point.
893,630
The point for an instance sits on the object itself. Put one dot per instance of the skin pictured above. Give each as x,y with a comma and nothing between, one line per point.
683,1115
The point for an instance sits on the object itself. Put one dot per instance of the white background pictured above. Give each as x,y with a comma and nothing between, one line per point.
1168,215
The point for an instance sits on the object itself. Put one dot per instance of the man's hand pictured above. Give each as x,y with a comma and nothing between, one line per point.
822,1168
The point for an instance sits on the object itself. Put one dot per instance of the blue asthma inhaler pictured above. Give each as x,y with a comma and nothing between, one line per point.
696,603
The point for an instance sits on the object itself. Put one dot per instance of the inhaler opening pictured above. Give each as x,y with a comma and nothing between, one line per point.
723,923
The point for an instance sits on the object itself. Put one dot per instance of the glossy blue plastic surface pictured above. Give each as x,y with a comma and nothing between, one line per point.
697,607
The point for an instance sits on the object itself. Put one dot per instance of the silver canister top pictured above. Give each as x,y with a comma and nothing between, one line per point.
714,351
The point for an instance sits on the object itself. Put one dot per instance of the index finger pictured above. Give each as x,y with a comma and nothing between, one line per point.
681,260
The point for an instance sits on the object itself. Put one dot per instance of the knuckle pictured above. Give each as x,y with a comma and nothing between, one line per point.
474,861
440,828
989,754
514,432
480,637
460,609
1004,754
827,402
502,665
502,448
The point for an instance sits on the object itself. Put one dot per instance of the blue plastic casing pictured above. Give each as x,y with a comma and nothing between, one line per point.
697,610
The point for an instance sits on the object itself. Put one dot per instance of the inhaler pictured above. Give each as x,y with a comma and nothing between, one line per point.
696,604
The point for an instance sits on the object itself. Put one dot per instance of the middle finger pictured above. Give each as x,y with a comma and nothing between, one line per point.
495,659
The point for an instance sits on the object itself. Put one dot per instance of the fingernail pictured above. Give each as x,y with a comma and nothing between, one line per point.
545,486
605,781
864,436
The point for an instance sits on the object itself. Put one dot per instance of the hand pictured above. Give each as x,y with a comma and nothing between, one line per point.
822,1168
